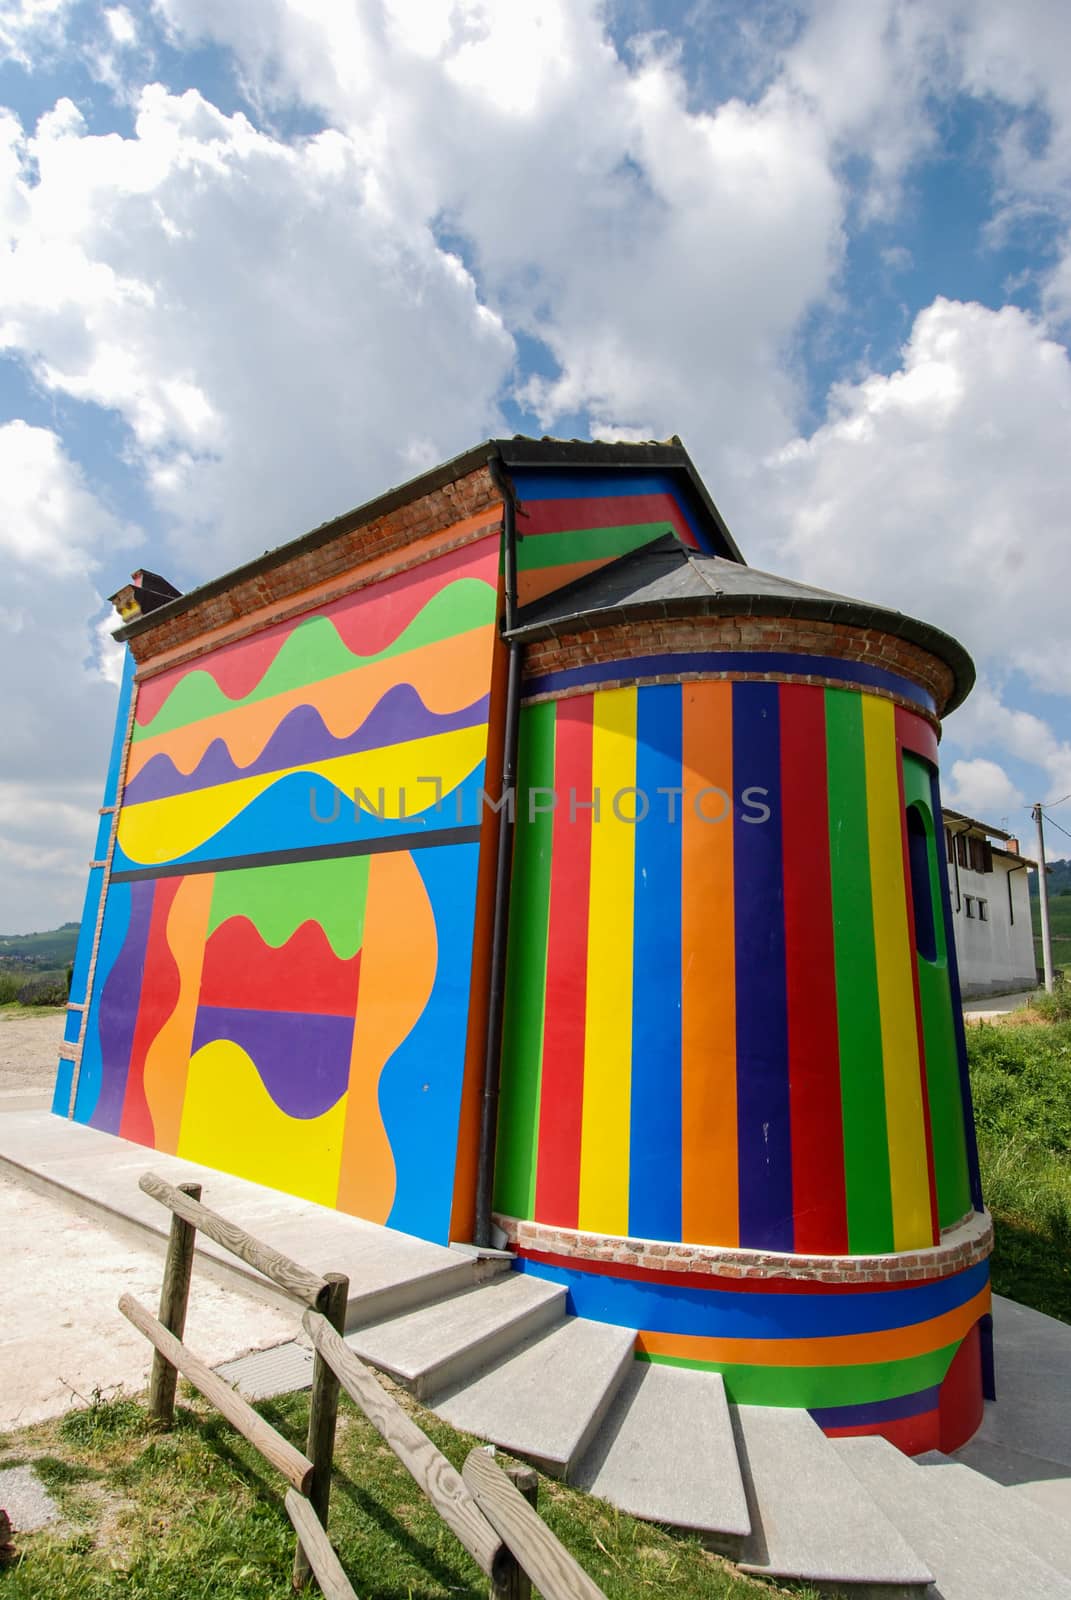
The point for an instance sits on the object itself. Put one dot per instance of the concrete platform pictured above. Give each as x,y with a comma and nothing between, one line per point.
99,1171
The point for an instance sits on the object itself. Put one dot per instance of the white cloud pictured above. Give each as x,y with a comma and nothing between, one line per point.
942,488
982,788
58,704
276,337
28,26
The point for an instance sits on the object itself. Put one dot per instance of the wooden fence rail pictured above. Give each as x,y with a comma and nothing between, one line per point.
440,1481
295,1467
488,1513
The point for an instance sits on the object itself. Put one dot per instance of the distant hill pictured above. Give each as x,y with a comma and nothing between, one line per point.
39,952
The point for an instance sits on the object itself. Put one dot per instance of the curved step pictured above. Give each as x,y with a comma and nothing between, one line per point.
546,1401
665,1453
440,1344
978,1498
811,1516
970,1557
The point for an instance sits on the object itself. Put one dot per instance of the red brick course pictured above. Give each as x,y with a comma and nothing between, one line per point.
341,556
621,641
961,1246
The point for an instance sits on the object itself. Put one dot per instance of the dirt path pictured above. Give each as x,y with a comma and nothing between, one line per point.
29,1048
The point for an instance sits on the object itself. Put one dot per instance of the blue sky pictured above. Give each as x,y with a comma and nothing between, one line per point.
262,261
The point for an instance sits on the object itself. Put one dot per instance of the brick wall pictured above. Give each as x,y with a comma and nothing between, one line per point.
281,589
621,640
961,1246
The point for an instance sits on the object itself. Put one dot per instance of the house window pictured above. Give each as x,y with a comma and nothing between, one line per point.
977,854
983,910
968,901
961,850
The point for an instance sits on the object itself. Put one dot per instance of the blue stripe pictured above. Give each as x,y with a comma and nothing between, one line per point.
973,1169
764,1131
61,1094
669,1308
723,661
655,1147
901,1405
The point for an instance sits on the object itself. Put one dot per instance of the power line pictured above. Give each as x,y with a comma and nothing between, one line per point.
1048,804
1053,824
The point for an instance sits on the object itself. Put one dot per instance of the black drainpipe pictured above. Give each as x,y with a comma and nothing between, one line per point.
492,1065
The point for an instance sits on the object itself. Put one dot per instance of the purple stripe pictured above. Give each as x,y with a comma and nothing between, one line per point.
303,1059
302,738
901,1405
709,661
764,1132
119,1003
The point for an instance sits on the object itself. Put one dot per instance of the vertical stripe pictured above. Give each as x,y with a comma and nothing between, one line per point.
939,1035
810,979
518,1119
710,1212
913,956
562,1094
862,1085
608,1028
655,1166
896,996
763,1127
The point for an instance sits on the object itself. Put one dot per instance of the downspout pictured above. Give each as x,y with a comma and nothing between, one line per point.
955,861
492,1066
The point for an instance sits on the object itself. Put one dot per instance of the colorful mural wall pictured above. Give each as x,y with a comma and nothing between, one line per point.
283,979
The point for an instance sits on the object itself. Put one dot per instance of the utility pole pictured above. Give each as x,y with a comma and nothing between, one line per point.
1043,898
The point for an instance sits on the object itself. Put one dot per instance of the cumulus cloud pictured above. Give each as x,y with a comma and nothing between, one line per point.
942,486
57,709
981,788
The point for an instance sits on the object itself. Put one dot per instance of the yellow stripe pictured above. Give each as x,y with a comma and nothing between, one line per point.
604,1142
912,1223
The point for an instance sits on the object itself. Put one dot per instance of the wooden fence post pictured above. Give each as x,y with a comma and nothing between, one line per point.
323,1412
516,1584
174,1297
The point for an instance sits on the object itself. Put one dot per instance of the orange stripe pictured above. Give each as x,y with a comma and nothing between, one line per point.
709,1199
396,560
850,1349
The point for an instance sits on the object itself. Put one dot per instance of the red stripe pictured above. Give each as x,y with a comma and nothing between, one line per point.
912,1435
931,1174
159,997
562,1092
916,735
710,1280
818,1187
604,511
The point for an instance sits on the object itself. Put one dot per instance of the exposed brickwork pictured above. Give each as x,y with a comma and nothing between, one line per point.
621,640
962,1246
341,556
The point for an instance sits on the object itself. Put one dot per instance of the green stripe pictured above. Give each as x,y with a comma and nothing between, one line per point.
585,544
849,1385
314,650
862,1082
526,972
938,1027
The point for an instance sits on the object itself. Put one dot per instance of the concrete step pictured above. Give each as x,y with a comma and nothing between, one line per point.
546,1401
665,1453
437,1346
1042,1482
98,1172
980,1499
971,1559
811,1517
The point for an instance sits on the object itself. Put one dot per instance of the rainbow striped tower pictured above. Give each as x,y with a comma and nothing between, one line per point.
735,1112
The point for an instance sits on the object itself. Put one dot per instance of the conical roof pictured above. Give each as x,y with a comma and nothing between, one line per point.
665,579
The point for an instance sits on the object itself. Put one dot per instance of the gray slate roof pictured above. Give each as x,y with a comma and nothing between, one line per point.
665,579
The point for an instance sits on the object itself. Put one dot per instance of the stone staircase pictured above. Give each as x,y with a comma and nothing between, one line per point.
503,1360
495,1353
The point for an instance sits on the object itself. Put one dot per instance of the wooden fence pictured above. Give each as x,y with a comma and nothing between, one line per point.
492,1513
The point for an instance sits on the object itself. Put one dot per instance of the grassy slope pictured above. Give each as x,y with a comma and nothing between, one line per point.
197,1514
53,949
1021,1081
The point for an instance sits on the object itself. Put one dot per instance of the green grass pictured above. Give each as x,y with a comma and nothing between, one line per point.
196,1513
1021,1083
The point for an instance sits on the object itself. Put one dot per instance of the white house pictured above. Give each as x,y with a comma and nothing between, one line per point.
990,907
